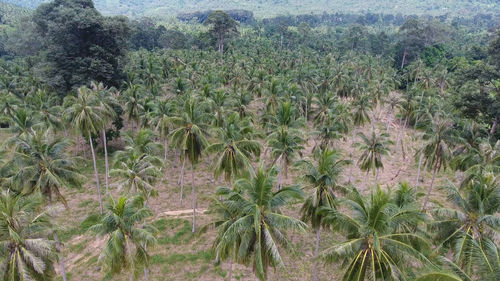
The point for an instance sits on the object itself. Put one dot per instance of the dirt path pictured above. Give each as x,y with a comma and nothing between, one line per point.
183,212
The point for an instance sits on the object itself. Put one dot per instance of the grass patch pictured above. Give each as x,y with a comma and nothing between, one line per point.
183,235
86,203
180,257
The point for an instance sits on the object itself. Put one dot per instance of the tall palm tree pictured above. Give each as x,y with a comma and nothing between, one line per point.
25,252
285,144
161,115
253,237
86,114
234,148
126,248
437,150
132,105
190,138
469,230
322,175
373,148
374,248
107,104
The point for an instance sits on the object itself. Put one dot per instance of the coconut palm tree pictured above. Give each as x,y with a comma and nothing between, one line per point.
25,252
42,165
137,172
469,230
258,230
133,106
46,109
477,161
23,122
107,104
234,147
126,247
374,248
322,173
161,115
142,141
86,114
285,144
437,150
190,137
373,148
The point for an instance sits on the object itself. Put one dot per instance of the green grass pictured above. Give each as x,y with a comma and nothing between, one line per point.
181,236
171,259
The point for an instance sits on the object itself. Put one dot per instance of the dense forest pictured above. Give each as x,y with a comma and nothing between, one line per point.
269,8
256,142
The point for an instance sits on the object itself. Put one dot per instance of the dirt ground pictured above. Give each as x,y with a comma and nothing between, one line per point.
181,255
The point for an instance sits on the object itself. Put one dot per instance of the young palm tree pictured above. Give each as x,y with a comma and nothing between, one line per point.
86,114
469,230
437,151
138,172
234,148
142,141
285,144
126,248
374,248
373,148
259,227
322,175
25,252
190,138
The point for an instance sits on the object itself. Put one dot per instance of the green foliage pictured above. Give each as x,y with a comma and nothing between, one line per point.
75,31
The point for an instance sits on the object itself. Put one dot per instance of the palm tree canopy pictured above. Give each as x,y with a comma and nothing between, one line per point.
374,248
25,252
259,226
127,242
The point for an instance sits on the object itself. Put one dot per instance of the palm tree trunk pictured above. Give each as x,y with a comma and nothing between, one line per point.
131,277
96,173
429,191
104,143
181,179
366,179
230,275
280,175
165,144
316,253
493,129
58,244
376,176
193,193
351,154
420,162
146,274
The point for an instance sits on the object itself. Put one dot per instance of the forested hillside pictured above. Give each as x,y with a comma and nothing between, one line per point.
216,145
269,8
